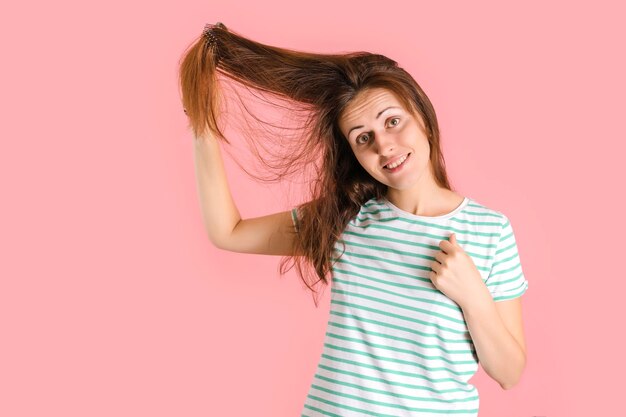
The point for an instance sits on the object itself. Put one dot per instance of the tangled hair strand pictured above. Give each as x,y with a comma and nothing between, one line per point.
314,90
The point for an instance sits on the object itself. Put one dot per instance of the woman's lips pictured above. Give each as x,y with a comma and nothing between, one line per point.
399,166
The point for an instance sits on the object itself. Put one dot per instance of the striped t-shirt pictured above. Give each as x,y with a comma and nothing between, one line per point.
395,345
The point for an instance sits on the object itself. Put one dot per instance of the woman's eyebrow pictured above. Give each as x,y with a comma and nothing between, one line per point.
377,116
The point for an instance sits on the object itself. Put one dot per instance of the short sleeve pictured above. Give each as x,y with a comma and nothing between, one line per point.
506,279
294,218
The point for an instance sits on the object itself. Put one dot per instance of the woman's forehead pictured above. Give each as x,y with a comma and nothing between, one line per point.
369,101
366,106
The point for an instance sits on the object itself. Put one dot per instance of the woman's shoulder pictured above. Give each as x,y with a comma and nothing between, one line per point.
371,207
479,208
372,211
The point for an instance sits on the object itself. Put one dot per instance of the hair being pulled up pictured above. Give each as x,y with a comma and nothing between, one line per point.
314,89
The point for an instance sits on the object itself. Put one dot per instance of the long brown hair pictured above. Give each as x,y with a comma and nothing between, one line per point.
321,85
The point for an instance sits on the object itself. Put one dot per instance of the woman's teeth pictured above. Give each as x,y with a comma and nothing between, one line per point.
395,164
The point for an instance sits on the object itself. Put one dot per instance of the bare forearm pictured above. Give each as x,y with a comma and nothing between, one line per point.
499,354
219,212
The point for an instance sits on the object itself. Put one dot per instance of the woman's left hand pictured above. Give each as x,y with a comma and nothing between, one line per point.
455,274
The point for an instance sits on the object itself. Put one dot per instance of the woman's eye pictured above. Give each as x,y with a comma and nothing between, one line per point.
358,141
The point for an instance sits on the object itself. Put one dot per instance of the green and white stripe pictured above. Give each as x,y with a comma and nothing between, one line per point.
395,345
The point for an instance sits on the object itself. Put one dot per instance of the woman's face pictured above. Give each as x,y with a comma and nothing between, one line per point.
380,131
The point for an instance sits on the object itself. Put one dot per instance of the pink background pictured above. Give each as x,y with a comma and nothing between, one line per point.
114,302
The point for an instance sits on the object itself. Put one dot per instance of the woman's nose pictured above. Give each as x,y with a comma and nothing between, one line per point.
385,142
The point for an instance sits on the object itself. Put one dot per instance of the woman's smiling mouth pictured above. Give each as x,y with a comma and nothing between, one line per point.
397,167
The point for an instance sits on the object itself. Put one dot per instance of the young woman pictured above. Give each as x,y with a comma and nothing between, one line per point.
426,283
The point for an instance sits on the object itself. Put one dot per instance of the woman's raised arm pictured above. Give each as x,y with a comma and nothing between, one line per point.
267,235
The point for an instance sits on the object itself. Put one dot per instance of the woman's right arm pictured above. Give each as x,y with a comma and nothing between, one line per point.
267,235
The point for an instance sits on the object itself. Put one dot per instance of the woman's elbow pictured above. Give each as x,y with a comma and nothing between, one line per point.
506,385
